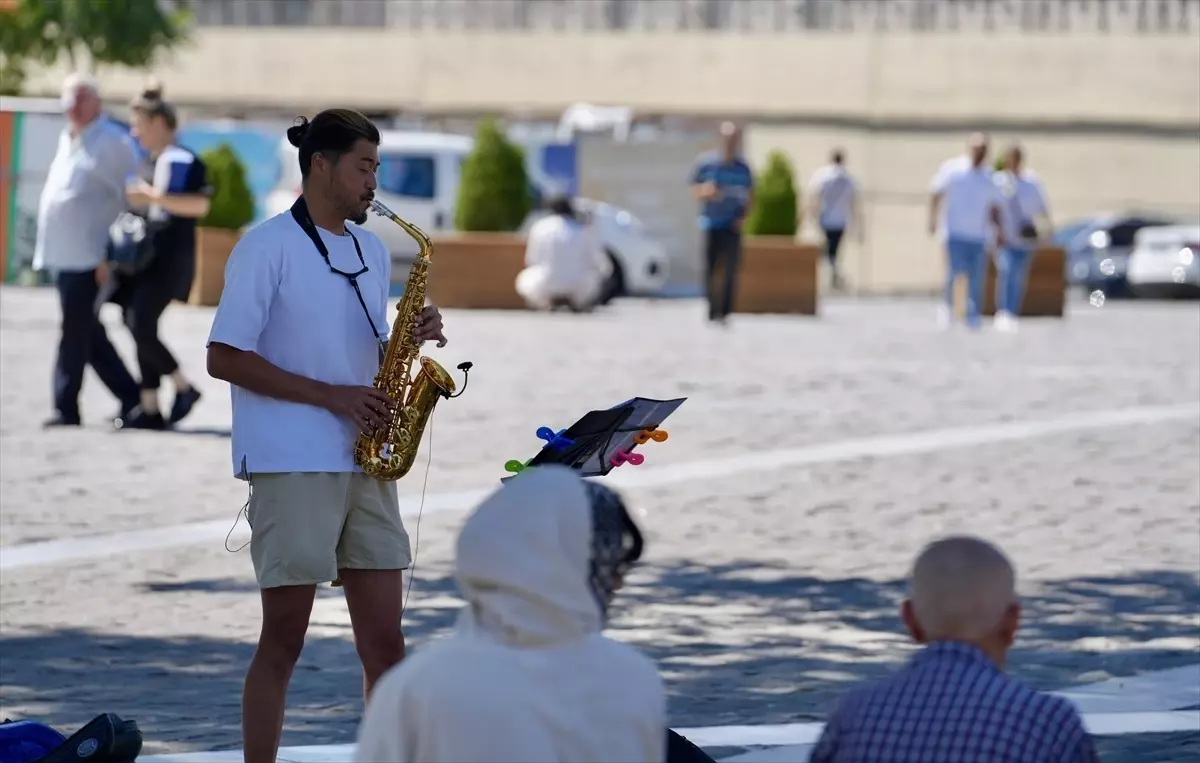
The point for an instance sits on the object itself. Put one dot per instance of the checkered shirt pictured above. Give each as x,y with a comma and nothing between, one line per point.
950,704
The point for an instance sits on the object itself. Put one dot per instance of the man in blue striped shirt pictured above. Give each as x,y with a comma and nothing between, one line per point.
724,185
952,703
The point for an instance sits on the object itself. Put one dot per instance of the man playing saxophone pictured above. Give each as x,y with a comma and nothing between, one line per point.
298,335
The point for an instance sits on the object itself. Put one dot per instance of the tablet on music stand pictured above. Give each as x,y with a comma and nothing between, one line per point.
602,440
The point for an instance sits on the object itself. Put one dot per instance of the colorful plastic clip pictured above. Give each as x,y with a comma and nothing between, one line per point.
554,439
622,457
646,435
515,466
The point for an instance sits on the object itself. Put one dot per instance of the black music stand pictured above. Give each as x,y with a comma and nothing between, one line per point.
602,440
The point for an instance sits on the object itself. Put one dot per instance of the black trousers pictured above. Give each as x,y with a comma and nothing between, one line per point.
144,300
723,256
85,341
833,242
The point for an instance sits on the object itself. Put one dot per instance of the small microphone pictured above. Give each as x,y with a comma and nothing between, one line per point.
465,367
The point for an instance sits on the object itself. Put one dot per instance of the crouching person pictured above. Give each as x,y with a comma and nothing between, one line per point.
528,676
564,263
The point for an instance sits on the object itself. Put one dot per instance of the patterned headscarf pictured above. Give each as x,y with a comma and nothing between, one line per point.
616,542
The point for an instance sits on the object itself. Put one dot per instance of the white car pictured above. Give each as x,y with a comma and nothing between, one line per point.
418,180
1165,261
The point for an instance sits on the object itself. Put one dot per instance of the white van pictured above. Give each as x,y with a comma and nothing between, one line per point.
418,180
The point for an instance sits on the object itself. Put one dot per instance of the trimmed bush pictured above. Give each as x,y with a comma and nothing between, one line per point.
774,212
232,204
493,194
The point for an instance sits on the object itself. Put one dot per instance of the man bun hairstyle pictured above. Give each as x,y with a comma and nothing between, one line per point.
150,102
332,133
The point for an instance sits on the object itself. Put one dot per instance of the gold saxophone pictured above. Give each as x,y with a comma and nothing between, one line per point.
388,452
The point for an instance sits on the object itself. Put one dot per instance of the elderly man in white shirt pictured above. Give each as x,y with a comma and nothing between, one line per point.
1024,207
965,208
564,264
83,194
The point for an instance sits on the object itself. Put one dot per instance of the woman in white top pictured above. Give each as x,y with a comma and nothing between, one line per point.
1025,205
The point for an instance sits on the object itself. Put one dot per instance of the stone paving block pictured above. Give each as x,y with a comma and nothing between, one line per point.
763,594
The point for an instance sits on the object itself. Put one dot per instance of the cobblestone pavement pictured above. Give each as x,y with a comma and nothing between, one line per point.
763,594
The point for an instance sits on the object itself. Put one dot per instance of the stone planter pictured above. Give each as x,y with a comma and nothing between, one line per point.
474,271
778,275
1045,289
213,246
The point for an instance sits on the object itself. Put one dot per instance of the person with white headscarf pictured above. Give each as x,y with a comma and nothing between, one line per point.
527,674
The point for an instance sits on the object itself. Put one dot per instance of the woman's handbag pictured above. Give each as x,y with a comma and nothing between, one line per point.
131,244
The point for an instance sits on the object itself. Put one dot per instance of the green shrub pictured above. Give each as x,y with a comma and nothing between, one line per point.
493,194
774,212
232,204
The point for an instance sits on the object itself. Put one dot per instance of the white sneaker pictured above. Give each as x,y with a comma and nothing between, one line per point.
1005,321
943,317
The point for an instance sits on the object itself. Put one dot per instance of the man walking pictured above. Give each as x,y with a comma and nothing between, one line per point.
834,199
724,185
965,207
84,193
1024,207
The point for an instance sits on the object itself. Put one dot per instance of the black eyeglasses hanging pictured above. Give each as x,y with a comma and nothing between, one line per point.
304,220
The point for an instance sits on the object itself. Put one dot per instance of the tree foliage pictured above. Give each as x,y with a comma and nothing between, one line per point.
89,33
774,212
494,191
232,204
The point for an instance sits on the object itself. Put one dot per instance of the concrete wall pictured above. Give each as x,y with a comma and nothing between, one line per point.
1109,120
1150,79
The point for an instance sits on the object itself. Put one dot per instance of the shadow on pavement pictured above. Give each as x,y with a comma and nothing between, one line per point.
741,643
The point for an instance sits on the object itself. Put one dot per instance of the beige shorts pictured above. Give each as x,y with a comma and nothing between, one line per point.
305,526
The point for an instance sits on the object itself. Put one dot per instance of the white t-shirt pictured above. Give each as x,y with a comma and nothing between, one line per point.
567,253
83,194
1024,200
834,191
968,194
282,302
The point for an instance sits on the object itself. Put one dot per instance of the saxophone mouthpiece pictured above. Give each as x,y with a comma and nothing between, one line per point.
378,208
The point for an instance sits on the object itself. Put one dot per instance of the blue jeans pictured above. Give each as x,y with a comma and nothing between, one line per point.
969,258
1012,270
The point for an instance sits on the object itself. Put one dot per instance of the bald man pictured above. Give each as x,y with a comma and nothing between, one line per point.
952,702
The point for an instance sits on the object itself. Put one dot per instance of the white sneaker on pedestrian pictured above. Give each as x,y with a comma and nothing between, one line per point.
1004,321
943,317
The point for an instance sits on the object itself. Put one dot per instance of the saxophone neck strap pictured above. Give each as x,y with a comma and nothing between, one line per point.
304,220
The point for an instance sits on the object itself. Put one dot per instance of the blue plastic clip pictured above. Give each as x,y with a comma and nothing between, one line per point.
555,440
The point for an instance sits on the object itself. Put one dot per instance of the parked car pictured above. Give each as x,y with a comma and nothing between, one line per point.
1098,250
1165,261
418,180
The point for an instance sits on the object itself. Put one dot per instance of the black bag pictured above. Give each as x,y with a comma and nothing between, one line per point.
1029,231
131,243
105,739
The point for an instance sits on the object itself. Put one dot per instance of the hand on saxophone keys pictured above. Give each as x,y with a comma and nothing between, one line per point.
429,326
367,407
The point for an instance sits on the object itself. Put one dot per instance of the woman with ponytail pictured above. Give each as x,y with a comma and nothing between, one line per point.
171,192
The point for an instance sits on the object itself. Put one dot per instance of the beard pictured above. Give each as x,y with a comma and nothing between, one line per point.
359,218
